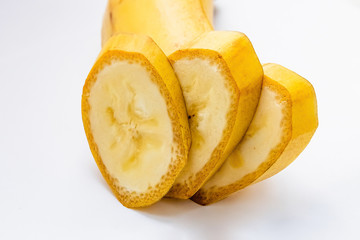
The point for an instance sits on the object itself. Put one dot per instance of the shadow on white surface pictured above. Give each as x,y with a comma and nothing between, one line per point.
168,207
207,222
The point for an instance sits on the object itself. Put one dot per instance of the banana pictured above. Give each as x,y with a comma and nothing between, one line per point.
135,120
283,125
221,79
219,73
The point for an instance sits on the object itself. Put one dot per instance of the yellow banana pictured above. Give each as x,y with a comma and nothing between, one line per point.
219,73
207,64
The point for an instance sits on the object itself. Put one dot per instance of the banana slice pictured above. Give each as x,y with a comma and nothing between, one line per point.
221,77
135,119
285,121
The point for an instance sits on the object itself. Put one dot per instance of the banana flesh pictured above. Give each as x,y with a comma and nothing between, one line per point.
208,102
130,125
265,133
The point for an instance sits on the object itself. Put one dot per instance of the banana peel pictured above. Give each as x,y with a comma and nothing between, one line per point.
171,24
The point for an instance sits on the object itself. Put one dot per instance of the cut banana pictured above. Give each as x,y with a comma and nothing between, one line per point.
135,119
221,77
283,125
219,72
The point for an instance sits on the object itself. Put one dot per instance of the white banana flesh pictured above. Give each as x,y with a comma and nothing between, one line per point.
265,133
130,125
208,101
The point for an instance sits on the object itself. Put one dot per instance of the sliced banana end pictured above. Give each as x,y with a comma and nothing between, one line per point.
132,128
266,138
211,101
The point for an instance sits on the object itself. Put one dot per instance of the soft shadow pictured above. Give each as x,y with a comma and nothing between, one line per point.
215,221
169,207
216,15
207,222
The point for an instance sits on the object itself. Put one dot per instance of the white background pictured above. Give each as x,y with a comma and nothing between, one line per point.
50,187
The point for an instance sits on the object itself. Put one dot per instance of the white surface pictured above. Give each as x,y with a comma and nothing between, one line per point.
50,187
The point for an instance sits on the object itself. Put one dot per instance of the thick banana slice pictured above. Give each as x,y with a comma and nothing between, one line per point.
221,78
284,122
135,119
